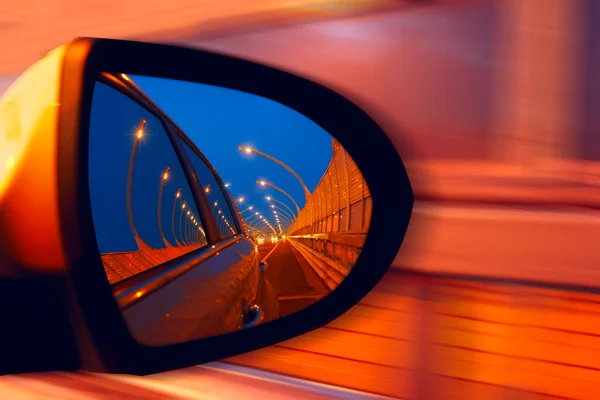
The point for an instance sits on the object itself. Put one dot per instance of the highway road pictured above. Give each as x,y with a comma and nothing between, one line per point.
295,282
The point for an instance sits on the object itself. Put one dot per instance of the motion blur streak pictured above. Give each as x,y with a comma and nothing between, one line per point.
493,103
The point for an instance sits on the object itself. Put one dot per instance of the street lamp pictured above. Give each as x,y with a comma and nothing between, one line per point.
247,209
129,202
282,217
163,180
250,150
250,218
266,222
181,213
177,196
283,212
279,219
263,183
271,198
188,227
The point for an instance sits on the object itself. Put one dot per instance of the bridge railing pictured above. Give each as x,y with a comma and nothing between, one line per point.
332,226
341,202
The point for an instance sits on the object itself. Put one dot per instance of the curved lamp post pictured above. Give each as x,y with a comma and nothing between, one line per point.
163,180
129,202
271,198
282,212
247,209
181,223
262,182
177,196
250,150
280,218
252,217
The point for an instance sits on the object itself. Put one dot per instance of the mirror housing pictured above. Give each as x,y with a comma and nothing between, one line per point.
53,147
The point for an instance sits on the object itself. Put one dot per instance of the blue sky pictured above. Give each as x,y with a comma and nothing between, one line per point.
217,120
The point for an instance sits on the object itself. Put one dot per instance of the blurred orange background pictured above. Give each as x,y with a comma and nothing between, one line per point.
492,104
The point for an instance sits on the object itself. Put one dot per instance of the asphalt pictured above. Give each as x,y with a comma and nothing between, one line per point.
296,284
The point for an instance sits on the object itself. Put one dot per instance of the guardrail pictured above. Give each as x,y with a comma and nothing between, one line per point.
341,202
332,227
331,256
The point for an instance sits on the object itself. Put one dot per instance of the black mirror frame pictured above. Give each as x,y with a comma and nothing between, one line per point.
104,341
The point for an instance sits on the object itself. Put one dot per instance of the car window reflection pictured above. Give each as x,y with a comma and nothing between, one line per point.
142,205
214,193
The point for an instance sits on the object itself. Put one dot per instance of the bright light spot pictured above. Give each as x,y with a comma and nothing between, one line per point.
10,163
241,199
140,133
178,194
165,176
188,213
183,206
125,77
138,294
250,208
248,150
263,183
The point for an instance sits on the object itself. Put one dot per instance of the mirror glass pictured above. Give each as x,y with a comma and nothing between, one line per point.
216,210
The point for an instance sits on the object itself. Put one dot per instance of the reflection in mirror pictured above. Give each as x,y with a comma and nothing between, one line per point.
216,210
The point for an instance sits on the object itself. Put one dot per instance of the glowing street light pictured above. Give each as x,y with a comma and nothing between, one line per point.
247,209
264,183
177,196
282,211
252,217
250,150
129,202
281,216
165,176
181,213
271,198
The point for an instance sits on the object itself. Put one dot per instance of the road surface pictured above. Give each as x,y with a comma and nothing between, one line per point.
296,283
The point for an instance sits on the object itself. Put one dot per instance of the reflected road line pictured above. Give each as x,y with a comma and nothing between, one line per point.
271,252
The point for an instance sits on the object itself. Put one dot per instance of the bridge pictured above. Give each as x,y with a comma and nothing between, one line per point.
315,250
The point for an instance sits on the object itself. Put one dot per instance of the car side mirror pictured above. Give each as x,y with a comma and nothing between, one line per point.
132,202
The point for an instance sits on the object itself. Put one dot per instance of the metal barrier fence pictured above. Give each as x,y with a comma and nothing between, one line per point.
341,202
330,230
